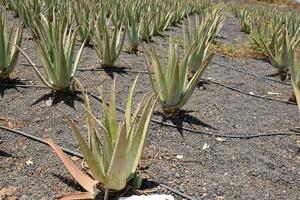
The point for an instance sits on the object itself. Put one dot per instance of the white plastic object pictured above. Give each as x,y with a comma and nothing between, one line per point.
149,197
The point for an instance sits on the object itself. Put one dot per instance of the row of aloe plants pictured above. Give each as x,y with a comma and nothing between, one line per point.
141,19
274,30
113,157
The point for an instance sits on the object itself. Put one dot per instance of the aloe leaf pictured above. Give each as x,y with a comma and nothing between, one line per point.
136,147
193,82
83,179
84,148
159,75
129,104
34,67
116,178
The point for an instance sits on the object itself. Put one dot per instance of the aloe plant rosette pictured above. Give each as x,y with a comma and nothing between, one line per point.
113,161
56,48
9,53
170,80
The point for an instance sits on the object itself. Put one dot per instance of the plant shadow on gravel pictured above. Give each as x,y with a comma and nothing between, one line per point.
69,98
9,84
5,154
70,182
111,70
145,185
183,116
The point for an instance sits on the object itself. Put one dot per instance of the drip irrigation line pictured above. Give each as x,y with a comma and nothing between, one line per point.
74,153
231,136
205,133
23,86
38,139
251,74
102,69
113,70
215,82
249,94
177,192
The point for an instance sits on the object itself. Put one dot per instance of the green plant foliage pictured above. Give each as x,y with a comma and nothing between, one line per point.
170,80
295,75
280,49
9,53
56,48
201,30
109,41
113,160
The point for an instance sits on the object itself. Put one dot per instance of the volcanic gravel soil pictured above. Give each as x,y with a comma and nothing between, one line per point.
196,164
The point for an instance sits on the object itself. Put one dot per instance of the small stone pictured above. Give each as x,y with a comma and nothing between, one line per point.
205,146
29,162
49,103
220,139
179,157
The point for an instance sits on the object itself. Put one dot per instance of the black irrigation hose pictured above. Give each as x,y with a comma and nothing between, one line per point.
192,130
38,139
176,192
253,95
215,82
206,133
251,74
101,69
74,153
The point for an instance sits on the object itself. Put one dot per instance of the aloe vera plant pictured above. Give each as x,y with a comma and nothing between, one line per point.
9,53
146,27
245,21
295,76
56,47
85,19
201,31
132,31
170,80
112,162
109,45
280,49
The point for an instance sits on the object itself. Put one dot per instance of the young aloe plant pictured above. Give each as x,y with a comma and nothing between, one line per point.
162,19
113,161
84,19
245,21
132,32
55,46
201,31
146,27
109,46
280,50
9,53
295,76
170,81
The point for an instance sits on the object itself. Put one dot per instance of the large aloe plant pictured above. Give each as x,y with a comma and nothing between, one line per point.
85,19
201,31
109,41
295,76
280,49
170,81
113,161
132,30
9,53
56,48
